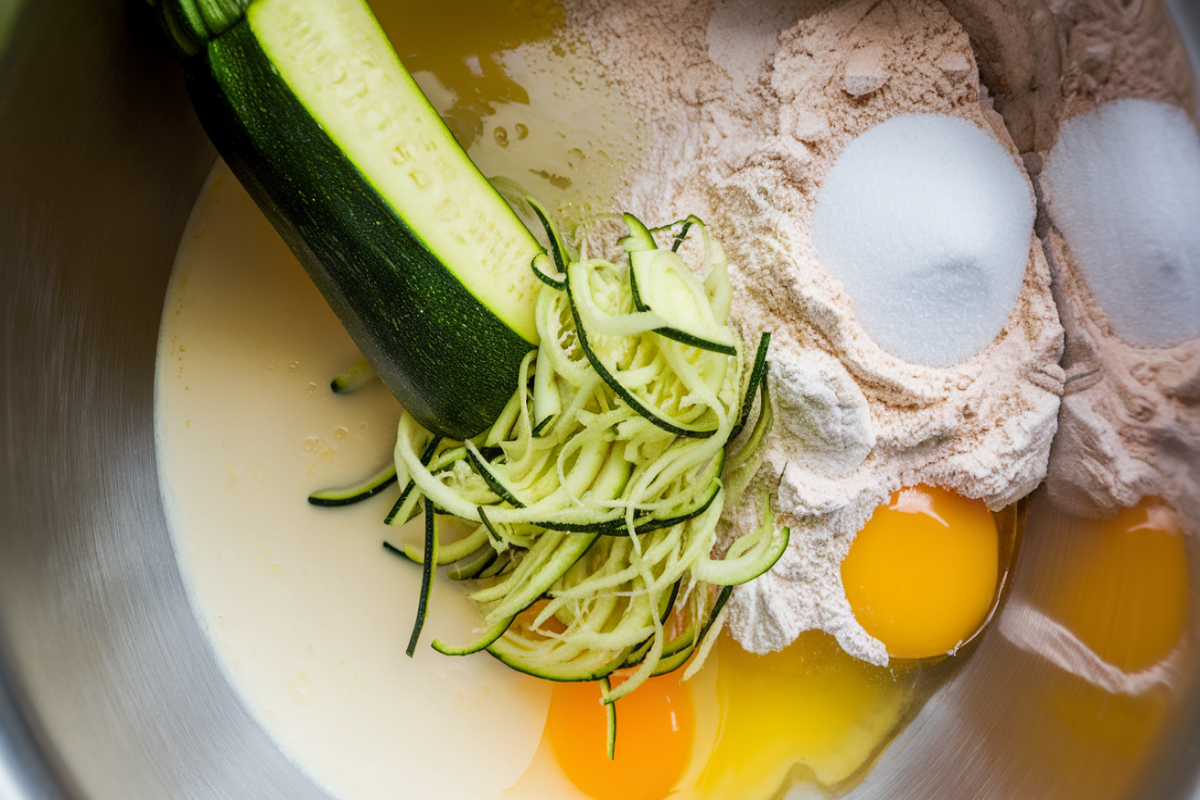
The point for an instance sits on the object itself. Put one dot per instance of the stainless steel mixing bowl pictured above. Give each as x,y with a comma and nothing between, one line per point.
108,688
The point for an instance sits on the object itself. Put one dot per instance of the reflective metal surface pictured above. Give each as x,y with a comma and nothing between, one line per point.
107,686
100,161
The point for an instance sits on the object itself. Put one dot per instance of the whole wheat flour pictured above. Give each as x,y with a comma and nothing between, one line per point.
748,104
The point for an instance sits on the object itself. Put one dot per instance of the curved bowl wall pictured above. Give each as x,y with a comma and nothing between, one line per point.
108,689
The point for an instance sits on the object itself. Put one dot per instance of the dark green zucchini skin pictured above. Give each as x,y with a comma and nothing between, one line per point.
450,361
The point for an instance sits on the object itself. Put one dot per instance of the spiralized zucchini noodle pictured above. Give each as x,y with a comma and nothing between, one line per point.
593,500
595,496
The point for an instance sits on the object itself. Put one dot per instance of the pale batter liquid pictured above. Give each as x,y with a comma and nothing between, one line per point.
308,613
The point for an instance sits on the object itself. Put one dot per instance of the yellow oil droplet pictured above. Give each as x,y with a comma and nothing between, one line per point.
276,568
507,72
557,181
312,444
340,433
464,50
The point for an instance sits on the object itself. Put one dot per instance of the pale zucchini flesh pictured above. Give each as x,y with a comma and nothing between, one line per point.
420,258
336,59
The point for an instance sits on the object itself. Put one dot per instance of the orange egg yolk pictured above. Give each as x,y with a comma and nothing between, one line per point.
1126,595
922,574
654,738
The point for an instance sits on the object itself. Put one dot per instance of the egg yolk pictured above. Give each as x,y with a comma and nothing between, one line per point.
921,575
654,738
1126,595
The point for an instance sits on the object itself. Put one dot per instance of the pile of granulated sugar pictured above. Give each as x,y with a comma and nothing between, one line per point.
748,103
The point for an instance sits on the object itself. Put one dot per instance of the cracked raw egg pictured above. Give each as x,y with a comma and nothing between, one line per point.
922,573
654,738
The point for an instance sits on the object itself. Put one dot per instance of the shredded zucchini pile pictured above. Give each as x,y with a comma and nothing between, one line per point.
593,500
598,490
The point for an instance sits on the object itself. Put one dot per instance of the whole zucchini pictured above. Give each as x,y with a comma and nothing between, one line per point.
421,259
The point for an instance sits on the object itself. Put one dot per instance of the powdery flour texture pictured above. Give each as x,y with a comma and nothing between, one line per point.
747,106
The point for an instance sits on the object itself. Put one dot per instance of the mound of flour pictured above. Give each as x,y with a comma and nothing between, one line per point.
748,103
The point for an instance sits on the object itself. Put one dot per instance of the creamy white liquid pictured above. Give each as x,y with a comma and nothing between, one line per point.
307,612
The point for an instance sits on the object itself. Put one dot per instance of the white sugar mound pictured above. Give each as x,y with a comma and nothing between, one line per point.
1123,186
927,221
